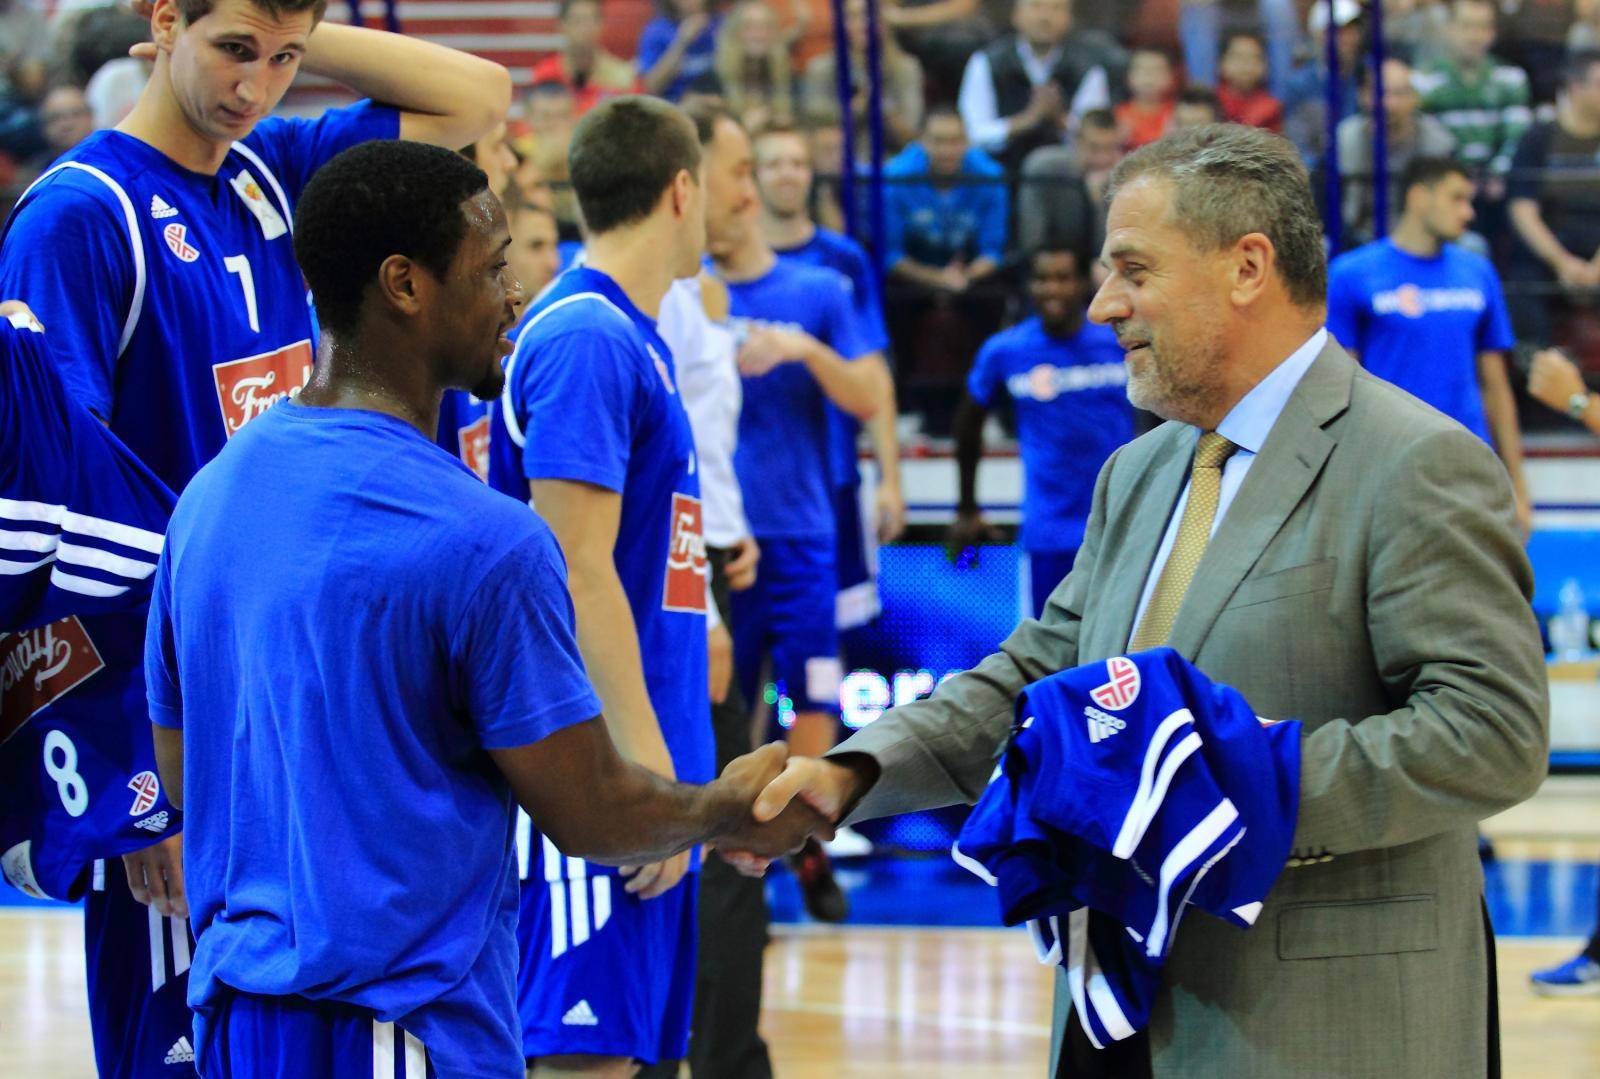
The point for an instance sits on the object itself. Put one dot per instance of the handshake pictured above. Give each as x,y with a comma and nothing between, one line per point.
773,802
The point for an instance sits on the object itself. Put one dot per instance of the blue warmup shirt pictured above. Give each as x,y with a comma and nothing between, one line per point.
344,620
1421,322
1072,408
657,38
1131,789
931,224
173,301
591,396
464,429
784,452
835,251
81,519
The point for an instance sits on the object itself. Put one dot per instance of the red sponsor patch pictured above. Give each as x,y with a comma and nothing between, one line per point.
246,388
145,787
474,442
686,559
39,666
178,243
1122,688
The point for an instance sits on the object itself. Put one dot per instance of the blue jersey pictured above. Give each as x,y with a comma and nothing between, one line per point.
784,460
1421,322
838,252
591,397
80,518
464,430
344,620
1132,788
173,301
1072,412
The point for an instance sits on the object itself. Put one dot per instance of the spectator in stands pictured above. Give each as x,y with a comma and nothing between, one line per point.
1061,200
1023,91
1143,118
1585,32
1415,30
1533,35
1410,135
1482,103
549,116
66,119
1195,106
946,217
24,48
1305,95
942,35
902,84
750,71
677,48
582,65
827,163
1554,201
1200,28
1429,316
1242,94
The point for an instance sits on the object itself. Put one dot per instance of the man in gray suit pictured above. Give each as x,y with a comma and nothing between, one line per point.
1338,552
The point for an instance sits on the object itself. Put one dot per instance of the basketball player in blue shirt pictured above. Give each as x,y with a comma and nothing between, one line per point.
592,427
358,655
159,257
1429,316
1065,378
784,177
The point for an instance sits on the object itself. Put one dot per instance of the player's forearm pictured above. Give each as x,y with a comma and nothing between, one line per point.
919,273
1500,410
664,70
853,387
169,762
608,640
449,98
883,428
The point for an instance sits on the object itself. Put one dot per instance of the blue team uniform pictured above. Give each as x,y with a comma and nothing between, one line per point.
857,552
783,464
1072,412
591,397
464,430
1132,789
343,621
1421,322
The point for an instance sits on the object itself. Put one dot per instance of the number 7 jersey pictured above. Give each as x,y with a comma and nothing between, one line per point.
172,299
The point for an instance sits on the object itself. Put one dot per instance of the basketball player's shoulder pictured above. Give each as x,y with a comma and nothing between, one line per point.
714,299
76,185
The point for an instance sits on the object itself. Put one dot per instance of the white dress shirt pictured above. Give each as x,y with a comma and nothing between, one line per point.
1247,426
980,110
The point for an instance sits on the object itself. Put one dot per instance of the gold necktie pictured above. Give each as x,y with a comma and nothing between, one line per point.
1194,532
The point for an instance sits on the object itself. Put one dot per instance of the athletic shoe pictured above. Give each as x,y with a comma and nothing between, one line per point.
825,900
847,843
1577,977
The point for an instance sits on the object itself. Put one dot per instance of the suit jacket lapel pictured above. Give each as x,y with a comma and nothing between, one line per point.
1134,539
1282,473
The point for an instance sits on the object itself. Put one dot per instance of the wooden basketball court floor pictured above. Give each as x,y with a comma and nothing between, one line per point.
893,1003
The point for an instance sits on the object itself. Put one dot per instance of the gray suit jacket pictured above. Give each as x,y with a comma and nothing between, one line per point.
1368,581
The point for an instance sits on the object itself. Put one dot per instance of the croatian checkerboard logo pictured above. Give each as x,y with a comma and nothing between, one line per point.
1122,686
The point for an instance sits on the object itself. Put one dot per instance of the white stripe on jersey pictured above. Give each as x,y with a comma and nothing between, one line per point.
382,1050
1145,800
9,568
1187,851
158,951
36,542
1090,990
416,1062
94,558
524,844
140,539
180,944
272,181
578,889
507,412
131,217
558,898
85,586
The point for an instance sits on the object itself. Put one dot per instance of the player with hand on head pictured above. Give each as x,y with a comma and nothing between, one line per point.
358,656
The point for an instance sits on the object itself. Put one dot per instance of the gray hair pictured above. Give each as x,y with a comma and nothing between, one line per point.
1229,181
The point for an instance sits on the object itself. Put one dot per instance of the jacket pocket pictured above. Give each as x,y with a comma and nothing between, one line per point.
1294,581
1402,923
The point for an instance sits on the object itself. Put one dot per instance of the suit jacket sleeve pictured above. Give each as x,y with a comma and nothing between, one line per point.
941,751
1454,638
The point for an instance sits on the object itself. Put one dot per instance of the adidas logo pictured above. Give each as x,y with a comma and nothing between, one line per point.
580,1015
159,208
155,822
180,1053
1102,725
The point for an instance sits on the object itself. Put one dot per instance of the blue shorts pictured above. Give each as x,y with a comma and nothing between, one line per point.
603,973
789,614
1046,569
856,557
138,974
245,1036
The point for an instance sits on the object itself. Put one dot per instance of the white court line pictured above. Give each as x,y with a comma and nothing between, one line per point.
944,1022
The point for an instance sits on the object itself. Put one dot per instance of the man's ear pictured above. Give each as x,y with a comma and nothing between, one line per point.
682,192
166,24
404,286
1251,264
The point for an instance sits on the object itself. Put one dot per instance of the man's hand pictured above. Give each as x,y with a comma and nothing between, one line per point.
1045,105
155,876
1553,379
1576,273
968,530
891,512
9,308
954,277
751,846
769,346
719,662
824,787
741,567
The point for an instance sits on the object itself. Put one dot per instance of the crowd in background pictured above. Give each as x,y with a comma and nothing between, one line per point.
1002,120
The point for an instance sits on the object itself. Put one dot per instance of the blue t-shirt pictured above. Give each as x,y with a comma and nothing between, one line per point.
783,460
464,429
591,396
1072,413
344,620
933,225
697,58
173,301
836,251
1420,323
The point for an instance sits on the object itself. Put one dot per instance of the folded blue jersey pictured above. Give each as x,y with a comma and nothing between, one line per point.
1130,790
81,519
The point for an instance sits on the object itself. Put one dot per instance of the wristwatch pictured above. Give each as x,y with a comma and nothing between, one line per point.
1577,405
